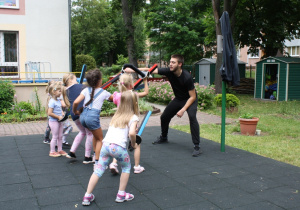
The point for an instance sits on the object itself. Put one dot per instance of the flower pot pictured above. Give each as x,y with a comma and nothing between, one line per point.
248,126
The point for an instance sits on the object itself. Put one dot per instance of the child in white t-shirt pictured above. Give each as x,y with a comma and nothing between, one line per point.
122,125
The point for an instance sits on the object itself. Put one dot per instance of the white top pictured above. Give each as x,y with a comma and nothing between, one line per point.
98,102
119,135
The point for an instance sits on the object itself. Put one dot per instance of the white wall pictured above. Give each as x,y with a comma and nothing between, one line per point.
47,33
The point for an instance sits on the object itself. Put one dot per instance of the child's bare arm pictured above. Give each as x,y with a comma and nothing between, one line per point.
132,133
76,103
146,89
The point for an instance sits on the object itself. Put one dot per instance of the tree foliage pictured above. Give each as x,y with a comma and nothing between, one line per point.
266,24
175,27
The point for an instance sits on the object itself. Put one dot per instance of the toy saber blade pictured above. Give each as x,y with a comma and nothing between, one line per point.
110,82
83,70
140,130
139,81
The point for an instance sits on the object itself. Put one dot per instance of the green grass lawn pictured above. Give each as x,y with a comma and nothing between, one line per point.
279,123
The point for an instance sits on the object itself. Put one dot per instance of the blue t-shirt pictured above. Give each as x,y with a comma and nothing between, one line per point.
56,106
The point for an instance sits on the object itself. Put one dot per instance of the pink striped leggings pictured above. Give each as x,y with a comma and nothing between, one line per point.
78,139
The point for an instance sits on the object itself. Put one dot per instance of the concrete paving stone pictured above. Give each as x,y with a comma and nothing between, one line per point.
10,158
230,197
172,197
285,197
14,192
155,181
14,177
225,171
11,167
258,206
253,183
59,195
202,183
30,203
204,205
46,168
53,179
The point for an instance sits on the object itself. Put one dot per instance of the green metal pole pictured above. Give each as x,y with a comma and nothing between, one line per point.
223,116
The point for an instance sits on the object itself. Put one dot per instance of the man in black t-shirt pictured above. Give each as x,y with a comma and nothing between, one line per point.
185,100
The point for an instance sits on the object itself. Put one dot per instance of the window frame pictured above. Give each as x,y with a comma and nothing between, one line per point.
2,54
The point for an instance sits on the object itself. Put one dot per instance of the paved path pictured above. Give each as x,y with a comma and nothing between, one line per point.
29,128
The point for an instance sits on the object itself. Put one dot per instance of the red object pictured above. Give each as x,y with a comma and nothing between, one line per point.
248,126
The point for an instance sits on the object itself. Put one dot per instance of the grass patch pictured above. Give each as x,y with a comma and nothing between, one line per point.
279,123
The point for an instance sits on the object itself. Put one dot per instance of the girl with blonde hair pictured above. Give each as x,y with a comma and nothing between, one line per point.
122,125
126,83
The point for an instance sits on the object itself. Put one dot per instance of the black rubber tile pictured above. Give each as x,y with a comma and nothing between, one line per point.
285,197
134,204
35,154
30,203
155,181
14,177
29,140
41,159
10,158
11,167
258,206
230,197
252,183
6,138
78,168
70,205
13,191
60,195
46,168
202,183
172,197
34,147
225,171
204,205
292,180
53,179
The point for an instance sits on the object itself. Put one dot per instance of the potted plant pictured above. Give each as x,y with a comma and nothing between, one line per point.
248,124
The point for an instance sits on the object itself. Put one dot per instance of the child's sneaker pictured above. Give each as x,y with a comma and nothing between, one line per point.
54,154
71,155
88,160
63,153
125,197
87,200
47,141
114,168
66,143
138,169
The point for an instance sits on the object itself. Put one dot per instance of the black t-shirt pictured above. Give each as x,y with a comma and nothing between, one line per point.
181,85
73,92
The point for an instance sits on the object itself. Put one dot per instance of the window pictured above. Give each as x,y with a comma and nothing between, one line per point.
9,4
294,51
9,64
254,54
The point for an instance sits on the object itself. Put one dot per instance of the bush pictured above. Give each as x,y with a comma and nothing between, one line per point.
205,95
88,60
161,92
28,107
7,93
231,100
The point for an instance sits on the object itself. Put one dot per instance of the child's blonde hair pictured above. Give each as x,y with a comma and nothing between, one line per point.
67,78
52,86
125,82
64,94
128,107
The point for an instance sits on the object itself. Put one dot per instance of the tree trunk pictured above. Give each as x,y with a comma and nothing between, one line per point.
127,17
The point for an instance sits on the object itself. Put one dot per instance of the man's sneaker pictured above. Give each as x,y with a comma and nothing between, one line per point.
54,154
47,141
63,153
88,160
87,200
197,151
161,140
138,169
114,168
125,197
71,155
